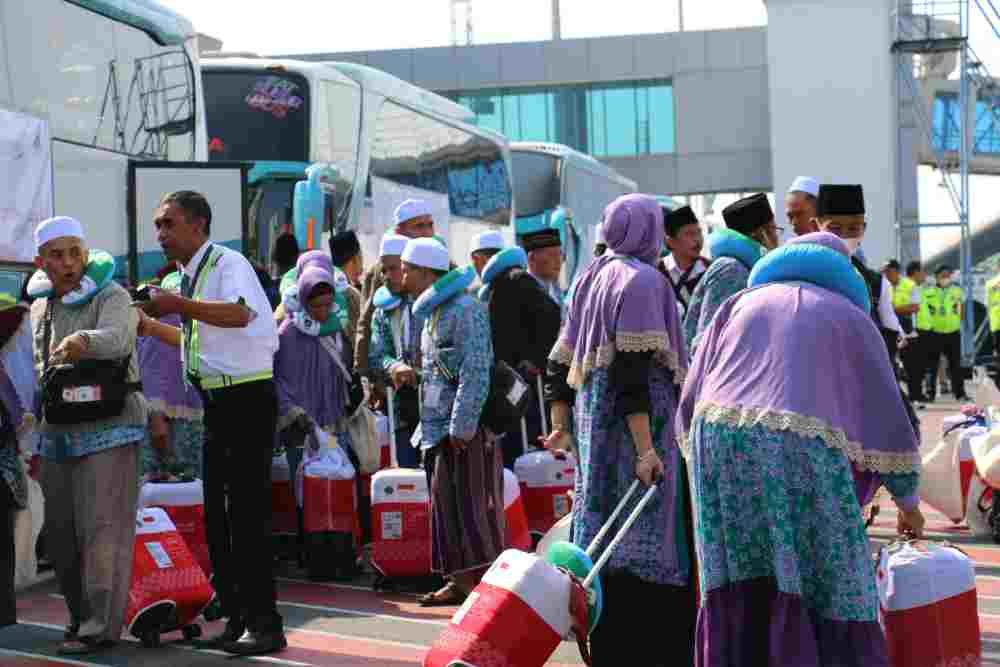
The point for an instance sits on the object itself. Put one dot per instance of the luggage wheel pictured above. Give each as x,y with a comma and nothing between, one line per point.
150,640
191,631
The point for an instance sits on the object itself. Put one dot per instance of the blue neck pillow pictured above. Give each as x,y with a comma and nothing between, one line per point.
386,300
816,264
503,260
730,243
446,287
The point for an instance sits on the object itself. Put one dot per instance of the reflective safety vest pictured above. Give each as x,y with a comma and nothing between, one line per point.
190,343
925,321
993,302
902,294
944,306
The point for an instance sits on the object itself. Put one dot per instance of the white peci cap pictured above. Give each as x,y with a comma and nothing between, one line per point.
410,209
487,241
427,253
806,184
392,245
57,227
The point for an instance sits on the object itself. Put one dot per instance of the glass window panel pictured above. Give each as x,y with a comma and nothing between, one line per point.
511,117
661,119
988,126
619,107
535,117
597,125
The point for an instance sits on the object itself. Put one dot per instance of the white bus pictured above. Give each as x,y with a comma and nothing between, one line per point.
115,80
379,139
553,182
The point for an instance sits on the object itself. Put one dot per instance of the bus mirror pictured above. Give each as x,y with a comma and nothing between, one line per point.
307,214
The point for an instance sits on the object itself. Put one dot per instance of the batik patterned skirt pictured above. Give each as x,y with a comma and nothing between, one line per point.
187,442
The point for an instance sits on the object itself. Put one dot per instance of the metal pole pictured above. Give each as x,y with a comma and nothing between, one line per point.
556,21
968,320
680,15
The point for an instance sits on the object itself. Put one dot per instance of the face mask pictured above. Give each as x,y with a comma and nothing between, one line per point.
852,244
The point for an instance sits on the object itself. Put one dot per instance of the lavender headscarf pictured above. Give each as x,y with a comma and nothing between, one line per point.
310,278
621,302
315,258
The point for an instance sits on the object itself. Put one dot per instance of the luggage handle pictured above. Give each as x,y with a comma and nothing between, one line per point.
641,505
390,395
611,520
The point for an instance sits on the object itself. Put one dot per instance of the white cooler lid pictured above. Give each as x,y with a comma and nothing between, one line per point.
172,494
543,469
917,574
400,485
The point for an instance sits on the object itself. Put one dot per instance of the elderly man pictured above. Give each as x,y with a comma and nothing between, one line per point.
484,246
544,248
90,475
413,220
800,205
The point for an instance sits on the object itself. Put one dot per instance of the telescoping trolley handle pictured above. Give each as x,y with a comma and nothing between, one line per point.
390,395
641,505
541,405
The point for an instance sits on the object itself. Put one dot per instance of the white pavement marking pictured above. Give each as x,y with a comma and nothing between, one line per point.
356,612
387,642
305,582
132,640
51,658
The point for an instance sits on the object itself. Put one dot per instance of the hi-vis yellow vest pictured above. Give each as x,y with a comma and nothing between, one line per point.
902,294
945,308
993,302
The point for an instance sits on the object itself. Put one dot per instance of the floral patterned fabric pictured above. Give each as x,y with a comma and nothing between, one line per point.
725,277
61,447
773,504
656,548
187,441
456,337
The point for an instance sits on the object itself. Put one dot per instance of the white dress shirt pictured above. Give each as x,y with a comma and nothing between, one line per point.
886,311
234,351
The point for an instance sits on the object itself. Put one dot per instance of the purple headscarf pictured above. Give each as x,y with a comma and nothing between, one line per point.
310,278
797,357
621,302
316,258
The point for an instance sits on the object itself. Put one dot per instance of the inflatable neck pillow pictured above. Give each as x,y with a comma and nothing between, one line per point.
446,287
385,300
816,264
99,273
730,243
171,282
503,260
338,313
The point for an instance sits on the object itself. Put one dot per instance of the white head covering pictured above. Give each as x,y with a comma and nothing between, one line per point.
392,245
806,184
410,209
487,241
57,227
600,236
427,253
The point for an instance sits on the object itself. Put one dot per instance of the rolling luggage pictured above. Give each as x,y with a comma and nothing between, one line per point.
544,481
927,594
284,514
524,606
516,533
401,523
330,517
168,589
184,503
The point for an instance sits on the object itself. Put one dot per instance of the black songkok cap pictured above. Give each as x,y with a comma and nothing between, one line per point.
840,200
674,220
343,247
546,238
748,214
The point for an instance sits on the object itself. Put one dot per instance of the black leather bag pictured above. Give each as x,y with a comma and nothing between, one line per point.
86,391
508,398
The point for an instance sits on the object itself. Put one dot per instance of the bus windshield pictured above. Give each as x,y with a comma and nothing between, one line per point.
256,115
536,182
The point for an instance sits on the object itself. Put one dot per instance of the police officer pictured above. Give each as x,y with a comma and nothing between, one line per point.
993,303
227,342
945,303
907,301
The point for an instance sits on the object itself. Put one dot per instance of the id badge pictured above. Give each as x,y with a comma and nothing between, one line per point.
432,396
417,438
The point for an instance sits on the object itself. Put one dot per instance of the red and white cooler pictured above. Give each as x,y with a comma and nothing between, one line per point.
401,523
515,617
545,481
966,460
517,535
284,513
184,503
168,588
330,501
927,593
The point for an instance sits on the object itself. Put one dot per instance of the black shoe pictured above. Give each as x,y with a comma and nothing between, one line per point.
257,643
234,630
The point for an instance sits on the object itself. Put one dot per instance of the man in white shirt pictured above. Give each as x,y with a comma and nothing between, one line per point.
684,266
227,342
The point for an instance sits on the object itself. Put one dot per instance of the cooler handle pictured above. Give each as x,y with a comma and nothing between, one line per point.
611,520
641,505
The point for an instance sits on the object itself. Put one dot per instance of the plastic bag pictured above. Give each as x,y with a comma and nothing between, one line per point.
940,481
365,440
321,460
986,452
977,510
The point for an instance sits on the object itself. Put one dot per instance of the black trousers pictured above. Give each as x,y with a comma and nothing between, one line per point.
914,357
629,633
240,423
949,345
8,609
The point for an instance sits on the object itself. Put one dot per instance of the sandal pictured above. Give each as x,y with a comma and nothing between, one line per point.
83,646
448,596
